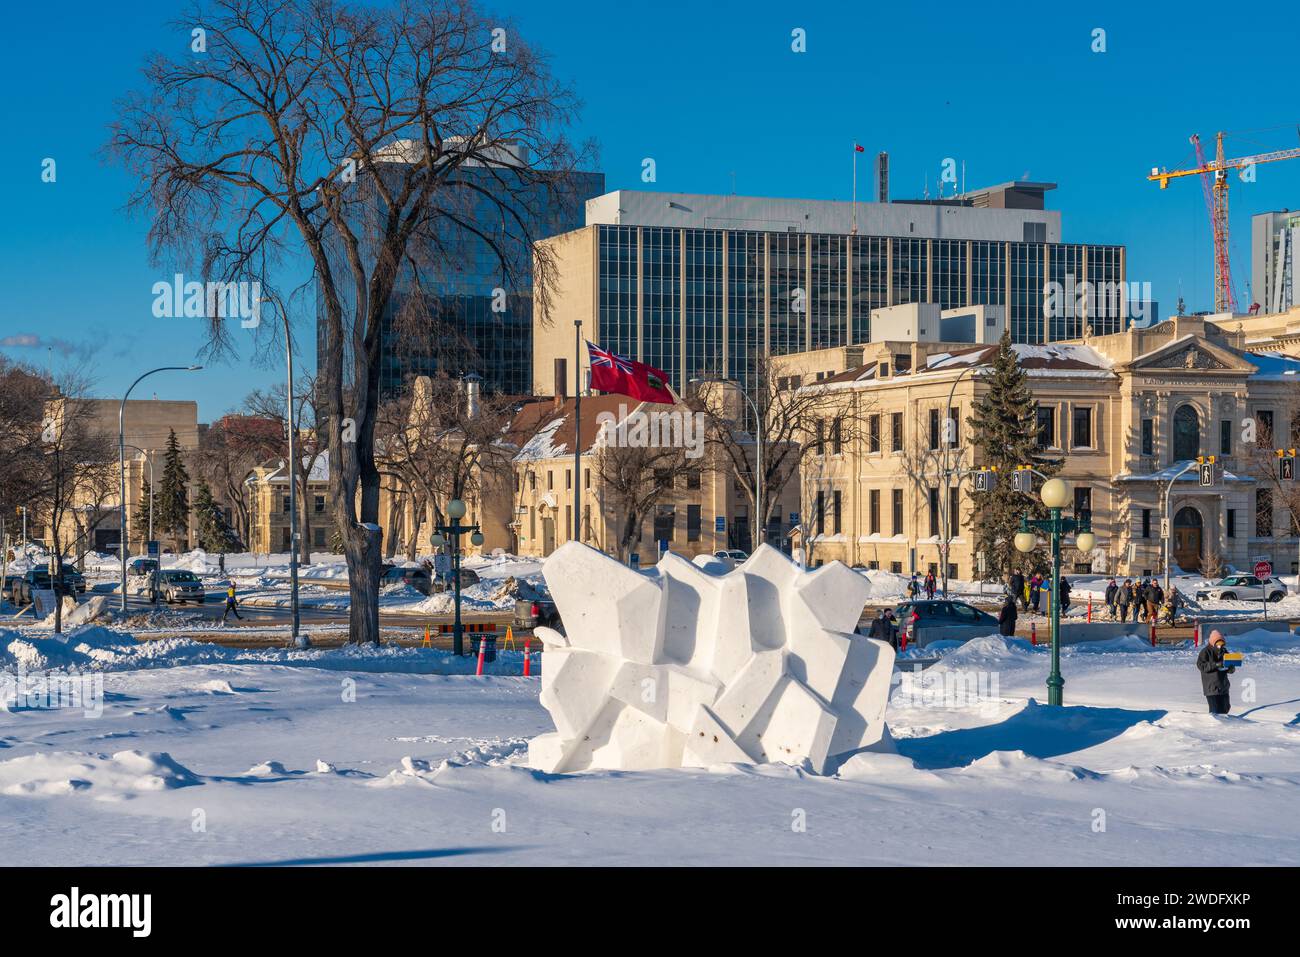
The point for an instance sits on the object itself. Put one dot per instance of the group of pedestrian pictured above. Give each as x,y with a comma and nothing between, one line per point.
1029,591
885,627
1146,598
928,586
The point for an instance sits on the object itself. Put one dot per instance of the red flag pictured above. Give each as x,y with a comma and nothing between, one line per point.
858,149
611,372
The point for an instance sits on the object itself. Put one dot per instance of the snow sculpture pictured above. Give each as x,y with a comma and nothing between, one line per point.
684,666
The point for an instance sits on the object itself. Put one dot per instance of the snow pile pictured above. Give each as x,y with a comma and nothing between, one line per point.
121,776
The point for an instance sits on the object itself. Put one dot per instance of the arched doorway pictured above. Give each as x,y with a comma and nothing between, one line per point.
1187,433
1187,539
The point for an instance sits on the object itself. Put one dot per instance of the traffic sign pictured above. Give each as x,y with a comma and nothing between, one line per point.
1164,528
985,480
151,549
1207,474
720,523
794,518
1263,569
1286,468
1022,480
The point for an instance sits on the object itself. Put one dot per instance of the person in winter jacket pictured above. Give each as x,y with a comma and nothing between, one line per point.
929,585
1155,598
1112,593
1035,591
1065,594
1124,598
1017,586
912,588
231,604
1173,604
1007,617
1214,674
1140,600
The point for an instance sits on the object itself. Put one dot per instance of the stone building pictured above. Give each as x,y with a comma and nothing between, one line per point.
1127,413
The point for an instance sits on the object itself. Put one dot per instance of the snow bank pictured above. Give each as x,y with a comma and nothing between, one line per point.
119,777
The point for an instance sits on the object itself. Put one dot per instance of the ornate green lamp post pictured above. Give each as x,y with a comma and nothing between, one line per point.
1055,494
452,532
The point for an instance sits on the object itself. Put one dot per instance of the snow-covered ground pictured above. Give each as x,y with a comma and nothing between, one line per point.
209,755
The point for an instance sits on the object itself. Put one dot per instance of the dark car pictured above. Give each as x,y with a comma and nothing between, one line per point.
38,579
413,575
74,578
941,613
534,607
140,567
445,582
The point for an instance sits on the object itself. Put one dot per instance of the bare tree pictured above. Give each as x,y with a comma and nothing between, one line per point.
369,140
228,451
634,481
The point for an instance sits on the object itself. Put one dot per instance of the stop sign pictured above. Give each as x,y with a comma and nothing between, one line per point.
1263,570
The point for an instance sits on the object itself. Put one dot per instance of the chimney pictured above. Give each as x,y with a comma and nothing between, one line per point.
561,378
473,388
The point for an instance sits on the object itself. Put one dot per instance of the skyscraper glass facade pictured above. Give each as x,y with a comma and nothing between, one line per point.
706,302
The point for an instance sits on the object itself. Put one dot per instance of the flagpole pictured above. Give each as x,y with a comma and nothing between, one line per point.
855,189
577,430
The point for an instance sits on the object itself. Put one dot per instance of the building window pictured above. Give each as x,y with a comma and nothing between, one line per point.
1264,513
954,437
1231,523
1187,433
318,503
318,537
568,478
896,431
873,433
896,510
1148,437
835,512
954,512
550,480
934,429
819,514
665,520
933,496
692,523
896,568
693,479
1264,428
1225,436
873,511
586,478
1082,501
1046,420
1146,523
1081,428
532,481
836,432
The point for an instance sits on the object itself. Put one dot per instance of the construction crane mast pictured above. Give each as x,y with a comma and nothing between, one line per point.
1214,183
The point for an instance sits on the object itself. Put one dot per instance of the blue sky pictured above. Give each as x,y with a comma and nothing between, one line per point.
707,89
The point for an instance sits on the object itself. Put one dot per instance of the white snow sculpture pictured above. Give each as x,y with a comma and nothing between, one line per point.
684,667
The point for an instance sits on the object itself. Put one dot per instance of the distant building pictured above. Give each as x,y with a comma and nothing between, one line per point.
701,285
1273,261
268,507
467,317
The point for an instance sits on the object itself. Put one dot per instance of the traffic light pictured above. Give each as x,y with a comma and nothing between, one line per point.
1286,465
985,480
1206,463
1022,480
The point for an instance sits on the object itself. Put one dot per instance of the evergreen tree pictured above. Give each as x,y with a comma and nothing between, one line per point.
142,510
215,533
1004,430
172,506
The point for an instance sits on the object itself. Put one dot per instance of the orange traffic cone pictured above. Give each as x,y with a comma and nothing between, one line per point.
1033,633
427,643
482,650
1153,631
528,657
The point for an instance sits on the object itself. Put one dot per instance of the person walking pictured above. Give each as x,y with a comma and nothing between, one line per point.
1035,591
1065,595
930,585
912,587
231,604
1214,674
1140,600
221,564
1017,586
1124,598
1155,599
1112,594
1173,604
1007,617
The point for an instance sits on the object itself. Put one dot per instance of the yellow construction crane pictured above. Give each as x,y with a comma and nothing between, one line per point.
1216,203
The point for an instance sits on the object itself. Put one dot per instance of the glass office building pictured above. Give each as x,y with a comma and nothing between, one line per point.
455,308
700,302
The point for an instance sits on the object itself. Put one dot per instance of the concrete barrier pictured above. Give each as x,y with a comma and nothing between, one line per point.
1075,632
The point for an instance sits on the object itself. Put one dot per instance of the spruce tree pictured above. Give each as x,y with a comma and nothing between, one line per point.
172,506
142,523
1004,430
215,533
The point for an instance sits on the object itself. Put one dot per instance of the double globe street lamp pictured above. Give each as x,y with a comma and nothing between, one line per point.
451,534
1055,494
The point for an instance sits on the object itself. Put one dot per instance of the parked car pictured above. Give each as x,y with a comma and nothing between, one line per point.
141,567
533,607
940,613
735,554
38,579
413,575
445,583
74,578
1243,588
178,585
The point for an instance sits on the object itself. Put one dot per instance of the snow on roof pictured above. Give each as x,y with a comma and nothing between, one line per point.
1052,359
320,469
1167,474
1275,366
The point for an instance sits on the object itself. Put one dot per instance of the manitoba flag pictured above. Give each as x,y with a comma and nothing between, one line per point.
611,372
858,149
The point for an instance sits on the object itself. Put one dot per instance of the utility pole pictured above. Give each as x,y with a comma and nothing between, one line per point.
577,430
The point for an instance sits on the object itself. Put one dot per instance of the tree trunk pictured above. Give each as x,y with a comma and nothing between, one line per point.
362,547
304,522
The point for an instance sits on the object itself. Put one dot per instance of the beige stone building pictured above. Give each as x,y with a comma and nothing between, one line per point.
1125,412
268,506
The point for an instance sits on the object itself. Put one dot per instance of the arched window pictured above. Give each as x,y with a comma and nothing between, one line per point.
1187,433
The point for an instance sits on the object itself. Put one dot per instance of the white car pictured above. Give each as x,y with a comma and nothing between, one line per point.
735,554
1244,588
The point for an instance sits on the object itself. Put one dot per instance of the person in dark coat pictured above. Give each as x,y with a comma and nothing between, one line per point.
1112,593
929,585
1124,598
1035,591
1017,586
1140,600
1007,617
1173,604
879,627
1214,674
1065,594
1155,598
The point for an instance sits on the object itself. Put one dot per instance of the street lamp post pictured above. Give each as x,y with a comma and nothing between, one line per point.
153,491
1055,493
759,501
450,533
121,463
1167,519
947,481
299,640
